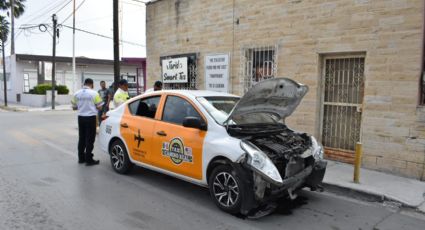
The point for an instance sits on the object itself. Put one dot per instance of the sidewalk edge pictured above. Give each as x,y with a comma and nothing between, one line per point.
13,109
368,195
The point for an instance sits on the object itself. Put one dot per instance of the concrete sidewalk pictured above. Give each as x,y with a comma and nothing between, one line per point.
23,108
408,192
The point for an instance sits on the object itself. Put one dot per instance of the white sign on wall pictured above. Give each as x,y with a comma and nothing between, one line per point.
174,70
217,72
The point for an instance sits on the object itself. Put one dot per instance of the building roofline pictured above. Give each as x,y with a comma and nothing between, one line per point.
78,60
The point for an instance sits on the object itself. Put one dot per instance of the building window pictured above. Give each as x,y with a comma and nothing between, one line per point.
26,83
258,64
48,66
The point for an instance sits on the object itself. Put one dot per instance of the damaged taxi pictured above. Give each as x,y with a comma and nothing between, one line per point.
240,148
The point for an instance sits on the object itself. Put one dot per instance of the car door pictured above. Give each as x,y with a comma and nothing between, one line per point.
137,127
177,148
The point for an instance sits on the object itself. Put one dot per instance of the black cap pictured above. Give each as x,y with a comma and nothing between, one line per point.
88,81
123,82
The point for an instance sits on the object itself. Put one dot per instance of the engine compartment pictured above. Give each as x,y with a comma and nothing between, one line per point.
282,145
277,141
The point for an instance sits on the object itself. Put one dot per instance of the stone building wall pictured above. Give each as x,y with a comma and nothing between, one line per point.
388,33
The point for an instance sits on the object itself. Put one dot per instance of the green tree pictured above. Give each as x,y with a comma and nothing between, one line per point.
4,29
19,8
4,33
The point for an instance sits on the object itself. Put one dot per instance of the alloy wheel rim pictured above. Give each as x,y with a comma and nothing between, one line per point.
226,190
117,157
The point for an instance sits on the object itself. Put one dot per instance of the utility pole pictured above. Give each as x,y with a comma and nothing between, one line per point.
4,73
12,20
116,45
73,51
55,20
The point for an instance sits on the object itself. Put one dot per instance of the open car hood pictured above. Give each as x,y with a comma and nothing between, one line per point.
278,96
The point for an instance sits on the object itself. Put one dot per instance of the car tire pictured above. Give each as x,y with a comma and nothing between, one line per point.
226,189
119,158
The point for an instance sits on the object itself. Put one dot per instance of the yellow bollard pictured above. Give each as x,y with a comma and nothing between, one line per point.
357,162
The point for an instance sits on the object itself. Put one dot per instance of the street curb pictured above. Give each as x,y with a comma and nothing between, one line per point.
30,109
12,109
366,196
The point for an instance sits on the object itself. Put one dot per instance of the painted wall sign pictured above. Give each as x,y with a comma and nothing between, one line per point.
217,72
174,70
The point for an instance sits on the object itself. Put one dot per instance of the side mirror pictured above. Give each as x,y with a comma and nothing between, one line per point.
194,122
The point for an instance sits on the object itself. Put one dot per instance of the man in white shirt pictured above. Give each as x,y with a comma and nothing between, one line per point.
88,102
157,86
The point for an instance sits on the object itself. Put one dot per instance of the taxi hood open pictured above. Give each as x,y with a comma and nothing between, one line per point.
278,96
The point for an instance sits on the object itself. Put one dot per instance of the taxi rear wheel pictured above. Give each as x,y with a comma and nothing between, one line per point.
119,158
226,189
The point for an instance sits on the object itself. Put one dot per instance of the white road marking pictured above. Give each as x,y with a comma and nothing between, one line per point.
60,148
22,137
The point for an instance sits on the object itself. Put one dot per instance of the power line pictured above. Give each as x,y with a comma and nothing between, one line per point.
78,7
29,27
94,19
133,4
49,10
139,1
103,36
63,6
44,10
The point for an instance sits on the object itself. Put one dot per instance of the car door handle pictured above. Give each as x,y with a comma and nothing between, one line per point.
161,133
124,125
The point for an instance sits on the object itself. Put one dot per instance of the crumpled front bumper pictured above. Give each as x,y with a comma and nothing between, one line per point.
312,176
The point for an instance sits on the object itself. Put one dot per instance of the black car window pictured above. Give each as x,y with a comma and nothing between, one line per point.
176,109
145,107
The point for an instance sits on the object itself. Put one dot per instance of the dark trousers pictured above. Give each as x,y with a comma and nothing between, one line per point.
86,137
101,112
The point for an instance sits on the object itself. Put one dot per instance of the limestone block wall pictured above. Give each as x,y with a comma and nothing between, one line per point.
389,33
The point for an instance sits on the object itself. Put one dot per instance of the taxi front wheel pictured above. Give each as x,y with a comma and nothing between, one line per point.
226,189
119,158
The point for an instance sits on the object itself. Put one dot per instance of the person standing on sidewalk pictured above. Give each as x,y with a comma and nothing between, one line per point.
121,95
88,102
106,97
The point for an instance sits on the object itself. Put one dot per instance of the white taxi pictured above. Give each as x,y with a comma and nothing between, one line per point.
240,148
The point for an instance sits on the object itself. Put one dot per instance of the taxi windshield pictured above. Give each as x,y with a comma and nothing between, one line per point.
220,107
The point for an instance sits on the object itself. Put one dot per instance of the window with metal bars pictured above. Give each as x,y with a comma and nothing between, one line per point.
258,64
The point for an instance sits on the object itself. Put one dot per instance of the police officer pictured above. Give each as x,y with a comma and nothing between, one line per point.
88,102
121,95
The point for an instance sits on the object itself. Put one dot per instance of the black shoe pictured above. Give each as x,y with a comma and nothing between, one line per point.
81,161
92,162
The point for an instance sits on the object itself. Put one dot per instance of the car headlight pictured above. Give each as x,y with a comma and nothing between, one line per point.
317,149
261,163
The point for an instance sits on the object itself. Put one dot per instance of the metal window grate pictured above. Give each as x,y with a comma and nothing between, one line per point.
343,98
258,63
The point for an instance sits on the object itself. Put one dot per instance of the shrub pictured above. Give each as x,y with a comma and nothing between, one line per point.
62,89
42,88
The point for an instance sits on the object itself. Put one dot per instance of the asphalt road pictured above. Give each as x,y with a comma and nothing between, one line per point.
43,187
